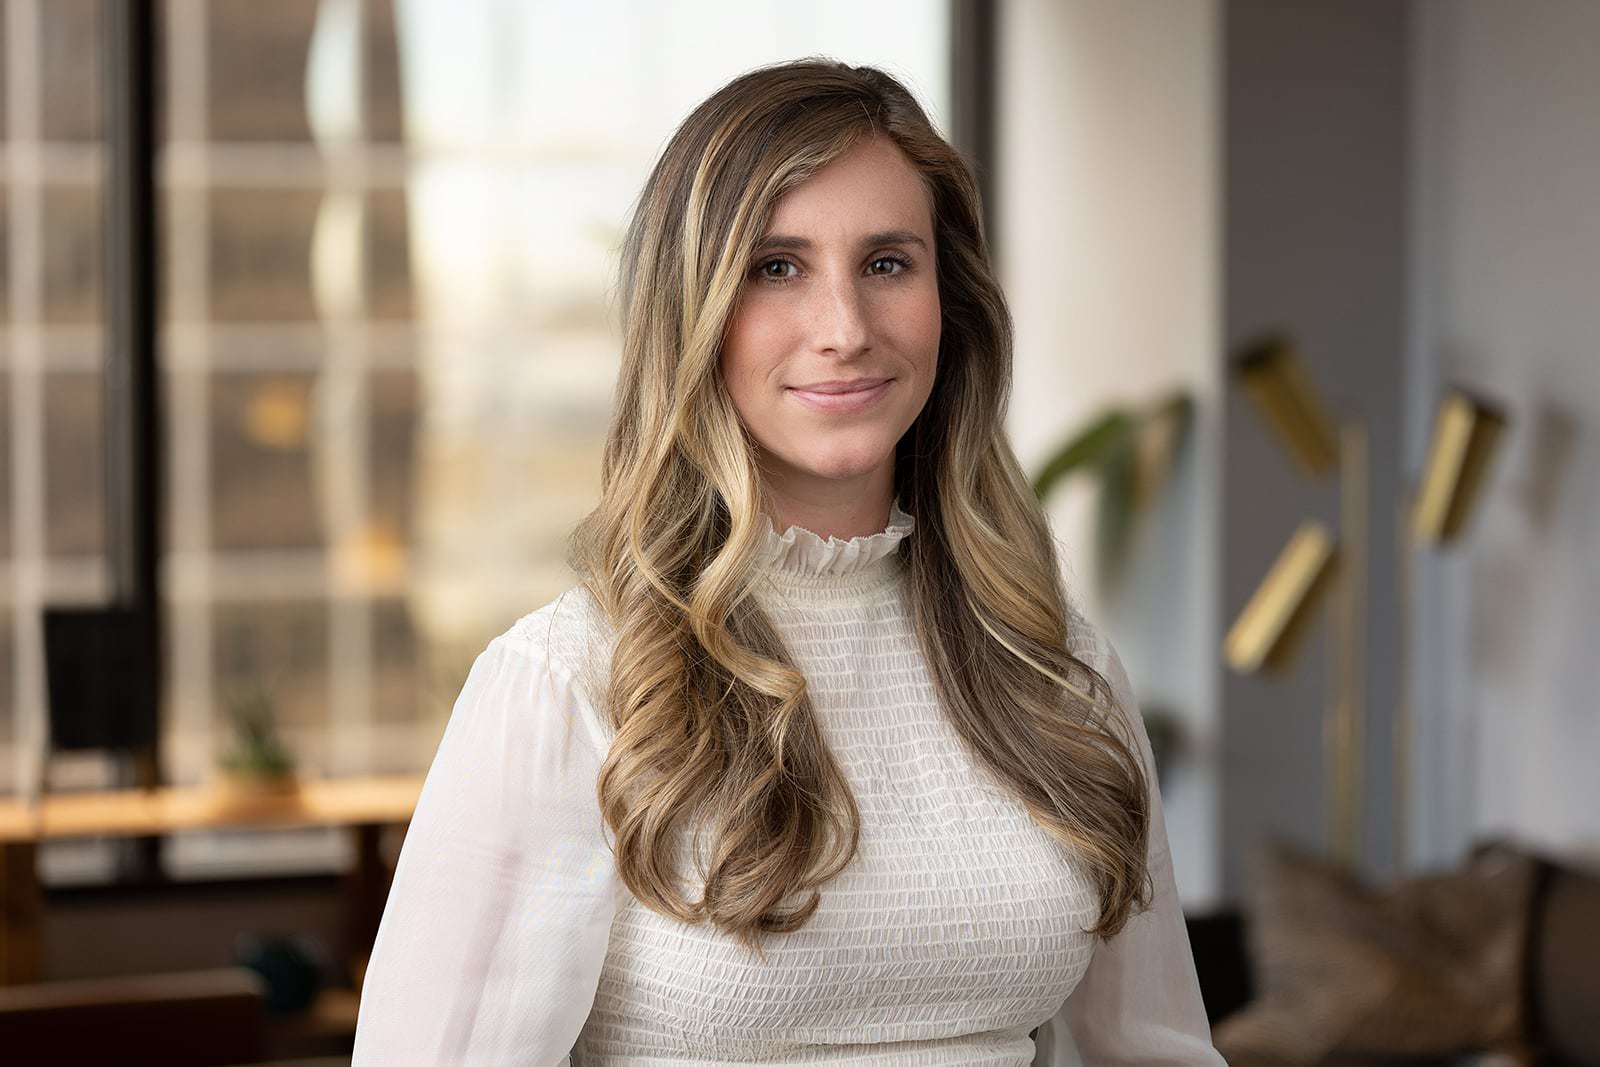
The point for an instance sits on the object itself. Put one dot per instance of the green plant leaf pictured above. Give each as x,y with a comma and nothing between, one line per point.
1131,454
1114,519
1089,448
257,751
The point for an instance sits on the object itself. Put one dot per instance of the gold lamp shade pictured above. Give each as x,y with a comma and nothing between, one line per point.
1274,377
1270,627
1465,434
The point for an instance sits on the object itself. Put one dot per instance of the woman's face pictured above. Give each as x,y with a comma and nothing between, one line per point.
834,343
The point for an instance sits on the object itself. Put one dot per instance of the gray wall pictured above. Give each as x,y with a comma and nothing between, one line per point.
1506,291
1314,134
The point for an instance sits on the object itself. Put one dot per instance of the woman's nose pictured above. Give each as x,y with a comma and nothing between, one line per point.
843,319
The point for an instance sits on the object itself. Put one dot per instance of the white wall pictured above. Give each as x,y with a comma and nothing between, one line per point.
1107,233
1506,282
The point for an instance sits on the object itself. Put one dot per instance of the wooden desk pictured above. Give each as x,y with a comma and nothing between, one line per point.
363,805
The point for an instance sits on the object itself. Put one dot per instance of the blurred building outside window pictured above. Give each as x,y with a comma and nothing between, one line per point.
388,339
52,471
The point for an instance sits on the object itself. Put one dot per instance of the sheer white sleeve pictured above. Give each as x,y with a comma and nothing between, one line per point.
496,926
1139,1001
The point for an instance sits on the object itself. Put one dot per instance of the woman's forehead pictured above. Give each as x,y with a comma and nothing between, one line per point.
871,188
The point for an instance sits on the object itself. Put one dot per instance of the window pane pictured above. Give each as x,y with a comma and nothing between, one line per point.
271,652
52,466
256,62
73,254
397,696
75,479
263,463
8,780
390,340
5,489
5,81
393,453
382,53
68,63
5,246
260,254
388,255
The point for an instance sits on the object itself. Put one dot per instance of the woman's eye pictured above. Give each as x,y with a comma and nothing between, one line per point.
776,269
886,265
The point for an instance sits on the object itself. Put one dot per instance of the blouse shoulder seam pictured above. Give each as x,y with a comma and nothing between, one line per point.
544,653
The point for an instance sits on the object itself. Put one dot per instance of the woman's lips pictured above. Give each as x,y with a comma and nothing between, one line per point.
841,397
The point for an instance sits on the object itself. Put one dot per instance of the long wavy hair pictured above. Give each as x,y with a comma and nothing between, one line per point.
714,726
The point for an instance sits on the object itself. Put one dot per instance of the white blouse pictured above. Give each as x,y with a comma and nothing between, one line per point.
957,930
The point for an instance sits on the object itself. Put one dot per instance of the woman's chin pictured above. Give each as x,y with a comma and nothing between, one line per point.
806,455
839,468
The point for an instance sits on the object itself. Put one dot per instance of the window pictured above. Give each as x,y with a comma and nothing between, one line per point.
52,518
387,342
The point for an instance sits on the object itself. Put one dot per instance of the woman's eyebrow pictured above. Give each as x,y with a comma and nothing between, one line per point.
805,244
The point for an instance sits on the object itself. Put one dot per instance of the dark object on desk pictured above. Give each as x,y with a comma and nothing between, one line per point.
100,672
291,969
102,683
1557,976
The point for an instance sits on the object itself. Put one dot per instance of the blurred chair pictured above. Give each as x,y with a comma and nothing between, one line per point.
1562,974
1559,977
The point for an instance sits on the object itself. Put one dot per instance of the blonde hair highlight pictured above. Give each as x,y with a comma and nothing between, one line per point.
714,729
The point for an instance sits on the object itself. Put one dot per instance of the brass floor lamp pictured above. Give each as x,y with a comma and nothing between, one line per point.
1315,563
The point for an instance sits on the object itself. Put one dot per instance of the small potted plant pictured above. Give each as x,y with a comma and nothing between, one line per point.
258,763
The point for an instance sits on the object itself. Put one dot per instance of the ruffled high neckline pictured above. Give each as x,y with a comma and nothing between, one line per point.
800,556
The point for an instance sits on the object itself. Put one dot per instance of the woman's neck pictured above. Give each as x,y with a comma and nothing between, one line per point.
842,507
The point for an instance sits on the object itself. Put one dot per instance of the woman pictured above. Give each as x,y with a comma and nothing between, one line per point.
865,790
